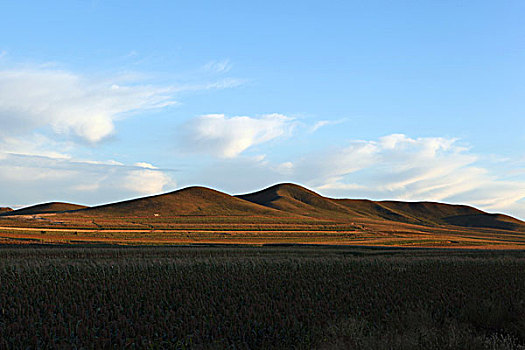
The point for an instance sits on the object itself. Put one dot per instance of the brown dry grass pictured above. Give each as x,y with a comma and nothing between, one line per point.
377,235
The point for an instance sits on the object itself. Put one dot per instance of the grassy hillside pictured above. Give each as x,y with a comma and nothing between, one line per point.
187,201
51,207
301,201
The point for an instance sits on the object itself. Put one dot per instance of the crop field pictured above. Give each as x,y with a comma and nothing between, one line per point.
265,297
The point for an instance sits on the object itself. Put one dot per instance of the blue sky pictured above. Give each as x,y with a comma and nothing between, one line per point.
107,100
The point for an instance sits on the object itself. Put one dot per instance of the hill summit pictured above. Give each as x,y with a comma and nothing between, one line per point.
296,199
193,200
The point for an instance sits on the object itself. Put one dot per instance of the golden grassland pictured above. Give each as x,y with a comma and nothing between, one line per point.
253,230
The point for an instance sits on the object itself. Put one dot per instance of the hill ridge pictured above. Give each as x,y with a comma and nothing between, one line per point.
284,200
192,200
284,196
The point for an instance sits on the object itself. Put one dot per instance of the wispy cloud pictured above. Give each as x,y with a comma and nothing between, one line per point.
71,104
399,167
323,123
35,145
226,83
222,66
226,137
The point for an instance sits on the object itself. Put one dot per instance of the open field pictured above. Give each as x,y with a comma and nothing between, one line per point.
261,297
186,230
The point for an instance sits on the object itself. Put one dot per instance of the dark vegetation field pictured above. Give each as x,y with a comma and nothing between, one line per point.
261,297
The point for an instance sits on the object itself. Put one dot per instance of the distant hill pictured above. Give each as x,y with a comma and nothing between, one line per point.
187,201
408,212
5,210
299,200
432,213
498,221
45,208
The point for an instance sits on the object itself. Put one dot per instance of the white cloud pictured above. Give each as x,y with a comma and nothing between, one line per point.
228,137
33,179
70,104
147,181
145,165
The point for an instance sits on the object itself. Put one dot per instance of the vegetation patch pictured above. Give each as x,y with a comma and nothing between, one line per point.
261,297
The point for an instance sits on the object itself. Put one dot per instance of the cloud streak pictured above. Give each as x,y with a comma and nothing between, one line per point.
322,123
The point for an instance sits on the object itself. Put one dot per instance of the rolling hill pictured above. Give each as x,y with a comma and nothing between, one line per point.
283,201
45,208
299,200
188,201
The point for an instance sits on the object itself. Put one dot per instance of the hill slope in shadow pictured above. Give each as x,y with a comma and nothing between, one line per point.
485,220
299,200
